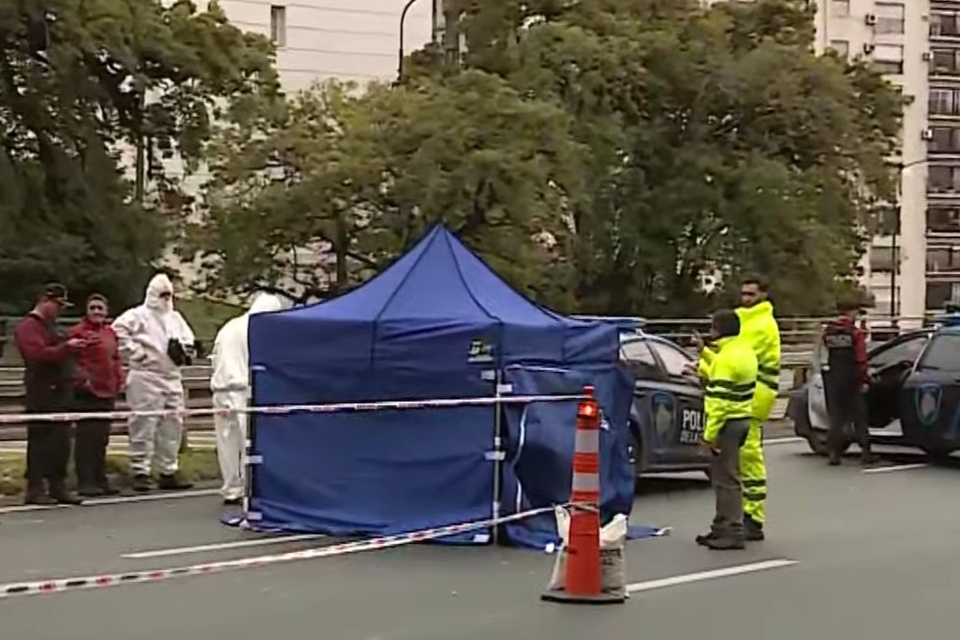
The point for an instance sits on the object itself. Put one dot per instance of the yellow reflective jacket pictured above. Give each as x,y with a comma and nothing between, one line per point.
759,328
730,384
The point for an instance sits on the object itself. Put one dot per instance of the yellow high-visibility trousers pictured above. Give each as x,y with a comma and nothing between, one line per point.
753,472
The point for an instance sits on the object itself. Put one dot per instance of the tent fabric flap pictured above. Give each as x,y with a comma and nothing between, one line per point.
540,445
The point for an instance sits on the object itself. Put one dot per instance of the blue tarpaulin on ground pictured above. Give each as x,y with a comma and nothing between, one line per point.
435,324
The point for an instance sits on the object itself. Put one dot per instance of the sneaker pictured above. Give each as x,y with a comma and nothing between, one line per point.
142,483
172,482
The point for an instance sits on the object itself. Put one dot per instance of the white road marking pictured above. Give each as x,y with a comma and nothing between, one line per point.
788,440
173,495
899,467
700,576
221,546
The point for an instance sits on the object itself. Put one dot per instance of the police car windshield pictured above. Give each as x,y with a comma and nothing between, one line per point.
942,354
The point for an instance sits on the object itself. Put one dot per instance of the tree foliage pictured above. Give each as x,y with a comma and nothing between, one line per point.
604,155
80,83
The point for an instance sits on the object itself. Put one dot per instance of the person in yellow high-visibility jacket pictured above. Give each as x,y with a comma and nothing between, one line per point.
731,380
759,328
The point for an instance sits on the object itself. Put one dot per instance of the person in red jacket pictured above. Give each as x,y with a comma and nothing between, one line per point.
99,380
846,379
48,359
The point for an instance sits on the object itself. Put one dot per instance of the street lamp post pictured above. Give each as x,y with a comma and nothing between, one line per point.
898,217
403,19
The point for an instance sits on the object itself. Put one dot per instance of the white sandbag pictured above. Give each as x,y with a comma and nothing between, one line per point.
612,557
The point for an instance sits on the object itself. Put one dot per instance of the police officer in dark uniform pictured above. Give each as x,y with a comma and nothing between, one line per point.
846,379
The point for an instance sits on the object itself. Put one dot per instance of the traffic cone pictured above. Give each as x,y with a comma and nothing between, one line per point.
579,561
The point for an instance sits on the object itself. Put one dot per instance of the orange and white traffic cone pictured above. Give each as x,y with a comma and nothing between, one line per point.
579,561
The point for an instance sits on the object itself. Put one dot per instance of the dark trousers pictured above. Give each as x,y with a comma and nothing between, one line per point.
846,407
48,443
93,436
725,476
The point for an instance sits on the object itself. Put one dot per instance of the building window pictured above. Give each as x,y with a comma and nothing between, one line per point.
841,47
840,8
939,293
278,25
884,259
884,220
943,219
888,58
889,17
943,259
945,140
943,179
944,62
944,24
944,102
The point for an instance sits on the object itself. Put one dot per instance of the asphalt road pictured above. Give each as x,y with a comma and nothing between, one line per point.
876,556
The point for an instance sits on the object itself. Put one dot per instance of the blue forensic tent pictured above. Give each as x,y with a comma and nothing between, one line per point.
438,323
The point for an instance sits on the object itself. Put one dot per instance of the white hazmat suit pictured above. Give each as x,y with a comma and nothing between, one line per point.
230,384
154,381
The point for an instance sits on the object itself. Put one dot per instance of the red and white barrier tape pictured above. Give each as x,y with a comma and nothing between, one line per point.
58,585
441,403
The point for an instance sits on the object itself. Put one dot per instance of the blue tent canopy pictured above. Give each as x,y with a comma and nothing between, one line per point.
438,323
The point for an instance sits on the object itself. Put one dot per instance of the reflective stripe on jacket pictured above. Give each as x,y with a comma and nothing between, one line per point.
759,328
731,382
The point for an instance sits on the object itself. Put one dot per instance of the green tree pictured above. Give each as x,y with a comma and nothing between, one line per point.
82,82
354,180
718,143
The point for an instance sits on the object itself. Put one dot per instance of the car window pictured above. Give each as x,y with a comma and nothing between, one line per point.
906,351
943,354
674,358
637,351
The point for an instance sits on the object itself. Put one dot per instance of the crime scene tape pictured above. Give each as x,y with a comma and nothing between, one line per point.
59,585
390,405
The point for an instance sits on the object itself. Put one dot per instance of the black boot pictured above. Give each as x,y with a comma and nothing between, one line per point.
867,459
726,543
753,530
36,494
172,482
107,489
142,483
59,492
704,538
90,491
834,459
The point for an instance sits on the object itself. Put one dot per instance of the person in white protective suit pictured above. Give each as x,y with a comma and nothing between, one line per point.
230,384
156,342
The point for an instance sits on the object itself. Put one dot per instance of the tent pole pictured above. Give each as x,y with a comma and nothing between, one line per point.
497,455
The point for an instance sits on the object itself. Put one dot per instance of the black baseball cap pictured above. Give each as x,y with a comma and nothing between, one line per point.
58,292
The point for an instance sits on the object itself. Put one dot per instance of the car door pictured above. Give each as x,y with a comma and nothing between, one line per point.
930,399
681,443
890,363
648,375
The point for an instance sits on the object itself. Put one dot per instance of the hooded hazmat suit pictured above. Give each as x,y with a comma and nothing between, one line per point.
230,384
154,381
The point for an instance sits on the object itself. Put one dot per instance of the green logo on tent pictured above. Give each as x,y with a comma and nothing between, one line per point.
480,351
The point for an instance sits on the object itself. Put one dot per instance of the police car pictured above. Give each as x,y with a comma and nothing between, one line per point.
914,394
666,418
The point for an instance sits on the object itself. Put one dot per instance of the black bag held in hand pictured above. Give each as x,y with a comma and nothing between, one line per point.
177,353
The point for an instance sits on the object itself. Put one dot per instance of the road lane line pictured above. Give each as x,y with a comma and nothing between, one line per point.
221,546
713,574
898,467
787,440
99,502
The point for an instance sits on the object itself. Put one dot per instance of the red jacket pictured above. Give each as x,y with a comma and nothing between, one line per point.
99,370
48,362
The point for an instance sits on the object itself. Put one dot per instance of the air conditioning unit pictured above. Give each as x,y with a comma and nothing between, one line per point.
870,19
927,56
909,98
868,47
927,134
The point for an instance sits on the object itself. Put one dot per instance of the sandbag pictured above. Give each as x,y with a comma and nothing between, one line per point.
613,537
